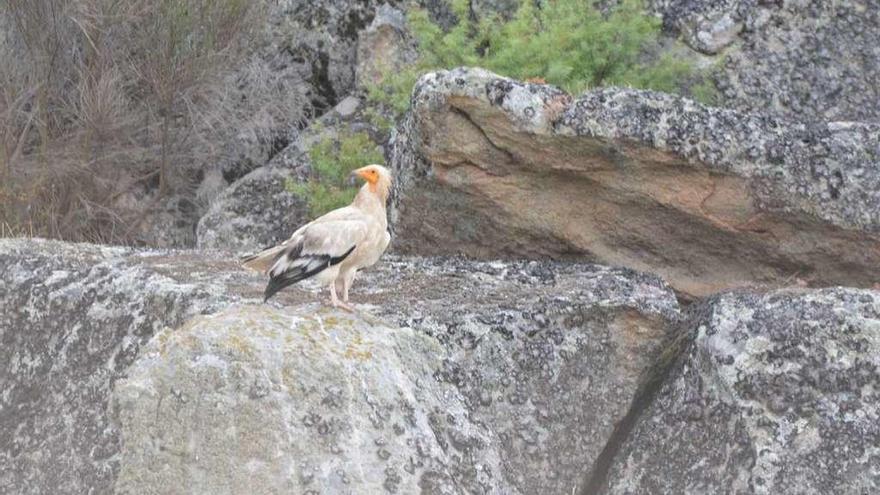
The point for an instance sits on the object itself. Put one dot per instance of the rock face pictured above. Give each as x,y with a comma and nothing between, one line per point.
549,357
384,46
812,59
318,40
72,320
708,198
777,394
261,400
169,224
255,212
457,376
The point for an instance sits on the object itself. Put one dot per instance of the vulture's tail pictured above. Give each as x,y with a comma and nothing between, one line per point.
263,261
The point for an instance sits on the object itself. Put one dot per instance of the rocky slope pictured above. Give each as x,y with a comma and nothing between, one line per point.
455,377
705,197
126,371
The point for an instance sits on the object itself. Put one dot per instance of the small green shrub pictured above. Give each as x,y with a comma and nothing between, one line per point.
332,162
393,92
706,92
568,43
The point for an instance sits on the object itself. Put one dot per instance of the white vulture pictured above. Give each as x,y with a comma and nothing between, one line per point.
333,247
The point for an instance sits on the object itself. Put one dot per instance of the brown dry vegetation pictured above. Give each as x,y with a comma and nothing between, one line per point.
109,106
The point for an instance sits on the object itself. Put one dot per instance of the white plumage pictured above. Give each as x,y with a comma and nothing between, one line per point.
333,247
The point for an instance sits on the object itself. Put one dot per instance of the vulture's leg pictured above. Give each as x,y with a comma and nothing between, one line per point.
347,280
335,301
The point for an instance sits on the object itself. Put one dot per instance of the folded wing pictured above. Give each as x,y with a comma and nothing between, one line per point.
314,248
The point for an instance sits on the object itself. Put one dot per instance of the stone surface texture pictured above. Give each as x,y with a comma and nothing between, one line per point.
73,318
777,394
257,211
263,400
550,357
808,60
383,47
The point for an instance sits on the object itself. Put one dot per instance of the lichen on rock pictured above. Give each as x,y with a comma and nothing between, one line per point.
778,393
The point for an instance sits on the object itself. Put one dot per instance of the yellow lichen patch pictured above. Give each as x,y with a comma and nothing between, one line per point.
358,349
266,331
352,352
162,340
187,340
240,345
288,377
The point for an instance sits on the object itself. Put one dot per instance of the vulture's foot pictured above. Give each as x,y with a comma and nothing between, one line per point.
336,303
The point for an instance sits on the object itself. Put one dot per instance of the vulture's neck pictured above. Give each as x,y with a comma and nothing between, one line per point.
373,196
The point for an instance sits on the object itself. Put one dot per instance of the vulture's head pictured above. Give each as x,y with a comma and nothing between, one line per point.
378,178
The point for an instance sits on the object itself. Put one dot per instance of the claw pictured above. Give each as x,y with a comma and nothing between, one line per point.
344,306
336,303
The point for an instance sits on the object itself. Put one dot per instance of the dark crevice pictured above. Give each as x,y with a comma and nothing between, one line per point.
279,143
457,111
597,477
326,96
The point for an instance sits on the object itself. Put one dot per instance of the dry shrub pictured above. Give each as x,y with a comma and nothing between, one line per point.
105,100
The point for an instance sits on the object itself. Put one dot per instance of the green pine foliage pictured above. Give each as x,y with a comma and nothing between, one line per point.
332,162
568,43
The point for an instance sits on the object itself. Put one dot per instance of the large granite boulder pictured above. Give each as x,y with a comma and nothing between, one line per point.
778,394
263,400
706,197
454,377
551,357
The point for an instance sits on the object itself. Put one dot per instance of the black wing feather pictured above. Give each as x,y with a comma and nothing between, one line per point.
316,264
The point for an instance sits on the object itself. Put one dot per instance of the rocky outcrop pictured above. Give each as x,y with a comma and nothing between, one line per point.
255,212
318,40
383,47
708,198
778,393
550,357
263,400
456,376
809,60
